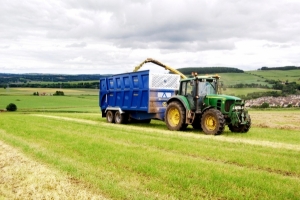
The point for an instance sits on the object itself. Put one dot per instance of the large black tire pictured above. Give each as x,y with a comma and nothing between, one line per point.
175,116
213,122
121,118
242,128
110,116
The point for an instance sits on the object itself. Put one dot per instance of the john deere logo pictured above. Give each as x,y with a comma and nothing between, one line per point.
164,104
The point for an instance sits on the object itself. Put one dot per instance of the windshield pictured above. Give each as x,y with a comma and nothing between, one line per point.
206,88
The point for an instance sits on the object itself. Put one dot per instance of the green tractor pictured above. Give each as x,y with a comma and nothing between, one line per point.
199,103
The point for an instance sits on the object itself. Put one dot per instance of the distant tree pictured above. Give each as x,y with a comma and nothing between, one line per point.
59,93
265,105
11,107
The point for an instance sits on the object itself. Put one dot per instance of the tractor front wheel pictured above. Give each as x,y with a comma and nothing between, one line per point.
242,128
213,122
175,116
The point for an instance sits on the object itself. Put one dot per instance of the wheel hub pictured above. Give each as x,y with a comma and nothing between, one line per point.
174,116
211,123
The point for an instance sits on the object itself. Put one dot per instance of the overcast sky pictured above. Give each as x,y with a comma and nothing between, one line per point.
113,36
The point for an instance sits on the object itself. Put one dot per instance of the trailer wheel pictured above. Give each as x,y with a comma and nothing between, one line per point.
121,118
175,116
110,117
213,122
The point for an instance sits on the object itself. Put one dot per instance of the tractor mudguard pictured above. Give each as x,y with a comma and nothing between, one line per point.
181,99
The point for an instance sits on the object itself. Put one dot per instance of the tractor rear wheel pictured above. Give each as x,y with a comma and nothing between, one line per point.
110,117
175,116
121,118
213,122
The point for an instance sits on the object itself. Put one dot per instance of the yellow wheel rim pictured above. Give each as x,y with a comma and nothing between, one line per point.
210,123
174,117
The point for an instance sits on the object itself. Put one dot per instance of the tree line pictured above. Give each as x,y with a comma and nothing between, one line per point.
91,85
280,68
209,70
6,78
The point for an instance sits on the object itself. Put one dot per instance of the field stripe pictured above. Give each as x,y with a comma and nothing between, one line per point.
263,143
67,119
23,178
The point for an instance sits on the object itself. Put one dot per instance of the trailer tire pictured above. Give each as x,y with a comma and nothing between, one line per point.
213,122
175,116
120,118
110,117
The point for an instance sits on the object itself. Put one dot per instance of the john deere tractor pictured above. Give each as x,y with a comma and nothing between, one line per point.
200,104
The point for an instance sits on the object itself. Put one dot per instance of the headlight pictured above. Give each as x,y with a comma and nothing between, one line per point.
237,107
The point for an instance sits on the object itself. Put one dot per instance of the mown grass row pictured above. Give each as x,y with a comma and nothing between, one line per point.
149,162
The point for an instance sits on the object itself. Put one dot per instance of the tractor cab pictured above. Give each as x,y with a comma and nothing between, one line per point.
197,88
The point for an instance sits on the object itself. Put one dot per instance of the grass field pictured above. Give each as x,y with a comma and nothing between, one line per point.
236,78
75,100
146,161
290,75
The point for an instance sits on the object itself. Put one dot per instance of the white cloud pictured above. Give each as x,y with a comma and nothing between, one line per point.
114,36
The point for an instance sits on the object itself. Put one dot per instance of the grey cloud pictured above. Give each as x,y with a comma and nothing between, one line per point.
150,22
168,27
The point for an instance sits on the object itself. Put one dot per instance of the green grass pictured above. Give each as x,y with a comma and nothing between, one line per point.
146,161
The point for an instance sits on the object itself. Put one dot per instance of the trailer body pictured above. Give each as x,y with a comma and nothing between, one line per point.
137,95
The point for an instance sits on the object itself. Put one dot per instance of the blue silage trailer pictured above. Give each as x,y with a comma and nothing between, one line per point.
136,96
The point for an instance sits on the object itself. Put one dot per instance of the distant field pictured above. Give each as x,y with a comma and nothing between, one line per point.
236,78
75,100
244,91
48,91
260,77
290,75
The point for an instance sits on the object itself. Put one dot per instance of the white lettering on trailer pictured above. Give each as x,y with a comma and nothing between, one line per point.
164,95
